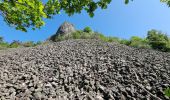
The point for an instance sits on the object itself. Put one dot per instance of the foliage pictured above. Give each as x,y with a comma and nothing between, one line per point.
158,40
154,40
28,44
167,92
84,35
76,35
4,45
138,42
1,39
23,14
87,29
113,39
59,38
15,44
124,41
38,43
166,1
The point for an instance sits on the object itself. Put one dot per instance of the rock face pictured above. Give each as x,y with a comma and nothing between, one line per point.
66,28
84,70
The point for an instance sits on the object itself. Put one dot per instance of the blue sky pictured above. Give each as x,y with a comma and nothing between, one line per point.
119,20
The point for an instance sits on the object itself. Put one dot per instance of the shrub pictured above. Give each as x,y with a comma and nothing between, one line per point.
15,44
167,49
167,92
4,45
76,35
99,36
59,38
28,44
113,39
87,29
158,40
155,39
125,42
38,43
86,35
1,40
138,42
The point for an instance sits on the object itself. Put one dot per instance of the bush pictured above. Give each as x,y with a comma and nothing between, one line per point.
86,35
29,44
158,40
155,40
38,43
167,49
15,44
87,29
59,38
99,36
125,42
76,35
138,42
167,92
113,39
4,45
1,39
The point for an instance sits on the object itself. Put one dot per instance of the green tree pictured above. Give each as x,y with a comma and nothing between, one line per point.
23,14
87,29
166,1
158,40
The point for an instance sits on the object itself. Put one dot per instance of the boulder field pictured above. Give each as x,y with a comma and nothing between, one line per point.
84,70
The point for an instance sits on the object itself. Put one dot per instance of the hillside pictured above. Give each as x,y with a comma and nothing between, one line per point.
84,70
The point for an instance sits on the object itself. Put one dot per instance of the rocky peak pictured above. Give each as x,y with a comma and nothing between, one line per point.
66,28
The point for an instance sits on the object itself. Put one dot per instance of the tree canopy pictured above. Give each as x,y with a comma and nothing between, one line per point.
23,14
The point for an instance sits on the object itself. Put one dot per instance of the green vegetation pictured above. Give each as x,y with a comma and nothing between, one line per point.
23,14
87,29
17,44
167,92
154,40
158,40
138,42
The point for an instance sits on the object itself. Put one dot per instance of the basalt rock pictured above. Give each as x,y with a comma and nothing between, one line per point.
65,29
83,70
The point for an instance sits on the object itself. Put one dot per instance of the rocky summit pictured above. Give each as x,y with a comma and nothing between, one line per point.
84,70
65,28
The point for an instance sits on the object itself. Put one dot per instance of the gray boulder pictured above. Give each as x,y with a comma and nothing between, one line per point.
65,29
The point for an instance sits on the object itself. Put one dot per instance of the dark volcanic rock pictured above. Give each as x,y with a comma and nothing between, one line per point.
66,28
83,70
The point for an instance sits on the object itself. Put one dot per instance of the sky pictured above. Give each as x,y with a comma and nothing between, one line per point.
119,20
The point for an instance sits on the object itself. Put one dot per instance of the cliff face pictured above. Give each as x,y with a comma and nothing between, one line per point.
84,70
